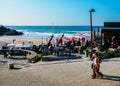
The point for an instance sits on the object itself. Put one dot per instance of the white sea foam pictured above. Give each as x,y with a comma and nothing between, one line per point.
43,34
28,34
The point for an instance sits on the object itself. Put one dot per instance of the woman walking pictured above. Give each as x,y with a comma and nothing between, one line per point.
96,65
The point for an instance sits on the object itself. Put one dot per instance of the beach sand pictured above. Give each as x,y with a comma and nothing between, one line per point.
57,73
21,40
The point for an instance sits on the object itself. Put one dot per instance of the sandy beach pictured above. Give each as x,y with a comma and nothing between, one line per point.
75,72
21,40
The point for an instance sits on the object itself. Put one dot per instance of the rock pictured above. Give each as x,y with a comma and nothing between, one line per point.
13,32
7,31
3,30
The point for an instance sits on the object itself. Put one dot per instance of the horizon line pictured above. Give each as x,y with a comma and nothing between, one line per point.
51,25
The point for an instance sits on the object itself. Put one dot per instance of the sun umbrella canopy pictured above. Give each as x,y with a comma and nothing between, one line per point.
74,38
66,38
69,38
81,35
86,34
78,34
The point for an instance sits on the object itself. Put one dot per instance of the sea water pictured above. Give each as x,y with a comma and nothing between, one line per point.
47,31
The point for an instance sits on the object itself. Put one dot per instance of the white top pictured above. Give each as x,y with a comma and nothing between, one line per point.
83,43
94,61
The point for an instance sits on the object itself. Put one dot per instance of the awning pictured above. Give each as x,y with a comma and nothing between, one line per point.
110,29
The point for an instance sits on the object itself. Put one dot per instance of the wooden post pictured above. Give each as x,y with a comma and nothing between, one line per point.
11,65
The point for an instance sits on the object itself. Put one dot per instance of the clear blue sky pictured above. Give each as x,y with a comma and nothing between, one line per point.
58,12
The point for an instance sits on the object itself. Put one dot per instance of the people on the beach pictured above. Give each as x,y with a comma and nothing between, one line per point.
78,42
5,52
83,44
96,65
13,41
51,48
106,45
113,42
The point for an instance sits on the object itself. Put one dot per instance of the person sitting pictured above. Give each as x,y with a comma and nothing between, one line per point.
51,48
106,45
77,45
5,46
113,42
83,45
78,42
72,44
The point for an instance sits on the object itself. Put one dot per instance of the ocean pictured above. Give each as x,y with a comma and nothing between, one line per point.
47,31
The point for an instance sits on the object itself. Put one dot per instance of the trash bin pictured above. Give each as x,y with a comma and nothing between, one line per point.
86,53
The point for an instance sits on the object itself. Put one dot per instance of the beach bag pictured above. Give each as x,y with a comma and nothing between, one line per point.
92,65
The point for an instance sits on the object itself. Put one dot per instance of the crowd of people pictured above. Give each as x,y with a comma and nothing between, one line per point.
77,45
113,43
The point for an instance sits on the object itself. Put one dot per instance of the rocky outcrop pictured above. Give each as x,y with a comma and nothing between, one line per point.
13,32
7,31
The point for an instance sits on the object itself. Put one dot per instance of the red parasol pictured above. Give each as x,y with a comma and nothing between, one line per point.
72,38
86,34
65,38
78,34
81,35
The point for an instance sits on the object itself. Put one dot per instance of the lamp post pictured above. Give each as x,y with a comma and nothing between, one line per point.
91,29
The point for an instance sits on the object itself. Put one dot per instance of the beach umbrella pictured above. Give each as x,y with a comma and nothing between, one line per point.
65,38
78,34
86,34
81,35
73,38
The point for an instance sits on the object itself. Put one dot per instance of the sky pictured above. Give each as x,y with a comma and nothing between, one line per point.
58,12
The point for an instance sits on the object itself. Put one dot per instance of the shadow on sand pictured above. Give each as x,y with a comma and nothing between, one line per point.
112,78
58,58
3,61
19,58
107,60
16,68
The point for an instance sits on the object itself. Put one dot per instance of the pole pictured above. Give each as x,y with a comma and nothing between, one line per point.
98,36
91,31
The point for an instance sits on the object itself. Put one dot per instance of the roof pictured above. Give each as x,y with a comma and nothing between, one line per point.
109,29
112,24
